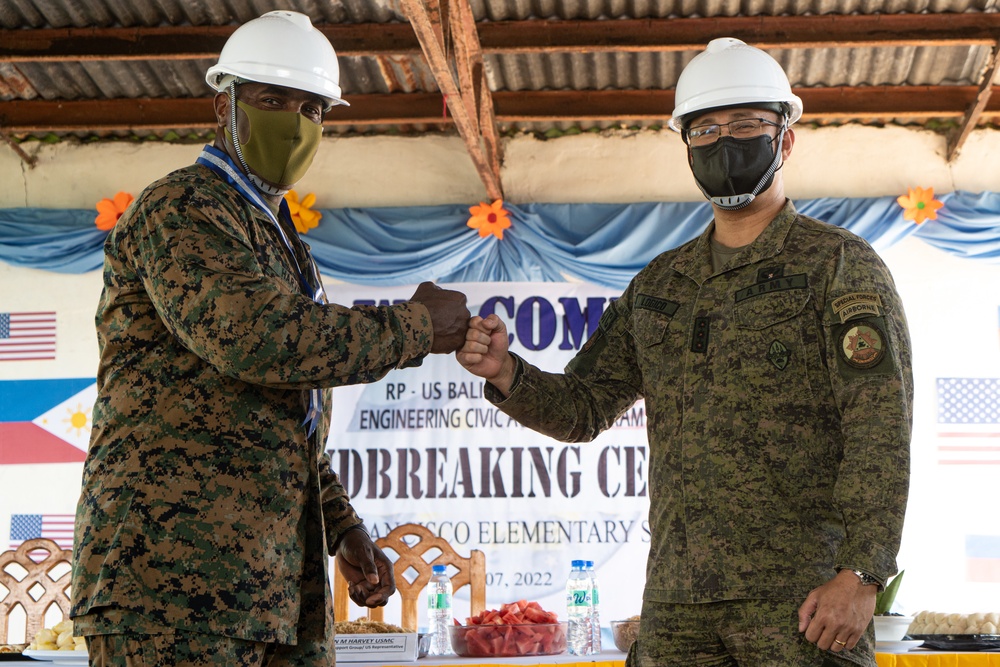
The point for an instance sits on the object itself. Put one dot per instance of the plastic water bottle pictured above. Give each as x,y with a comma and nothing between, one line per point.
578,610
595,614
439,611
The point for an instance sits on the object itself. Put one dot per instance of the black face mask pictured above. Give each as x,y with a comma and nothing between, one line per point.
732,172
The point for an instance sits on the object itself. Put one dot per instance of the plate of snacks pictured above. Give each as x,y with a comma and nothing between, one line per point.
74,657
58,645
956,632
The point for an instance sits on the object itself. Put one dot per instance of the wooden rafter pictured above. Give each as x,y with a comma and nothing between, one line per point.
472,79
914,102
534,36
778,32
184,42
436,32
976,108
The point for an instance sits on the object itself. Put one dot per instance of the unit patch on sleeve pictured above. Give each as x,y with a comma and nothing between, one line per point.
862,345
856,304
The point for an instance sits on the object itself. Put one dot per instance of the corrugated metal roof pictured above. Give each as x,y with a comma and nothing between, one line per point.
100,79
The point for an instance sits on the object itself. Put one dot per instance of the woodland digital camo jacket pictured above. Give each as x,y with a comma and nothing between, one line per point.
778,400
205,507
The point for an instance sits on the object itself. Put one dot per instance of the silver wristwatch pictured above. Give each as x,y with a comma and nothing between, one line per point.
866,579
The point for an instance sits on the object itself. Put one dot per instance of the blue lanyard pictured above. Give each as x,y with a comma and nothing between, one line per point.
220,163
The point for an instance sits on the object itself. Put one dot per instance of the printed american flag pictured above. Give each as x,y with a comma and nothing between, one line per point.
56,527
982,558
968,421
27,336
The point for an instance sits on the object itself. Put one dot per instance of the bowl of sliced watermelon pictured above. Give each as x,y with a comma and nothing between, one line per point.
517,629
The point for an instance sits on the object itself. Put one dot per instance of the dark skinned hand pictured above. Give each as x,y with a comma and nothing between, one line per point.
369,575
449,316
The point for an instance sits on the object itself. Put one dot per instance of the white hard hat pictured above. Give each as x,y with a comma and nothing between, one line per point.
730,73
281,48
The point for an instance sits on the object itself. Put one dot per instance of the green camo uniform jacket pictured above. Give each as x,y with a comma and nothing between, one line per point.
778,397
205,506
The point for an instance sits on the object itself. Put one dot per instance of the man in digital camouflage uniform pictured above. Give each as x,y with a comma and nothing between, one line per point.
209,506
773,356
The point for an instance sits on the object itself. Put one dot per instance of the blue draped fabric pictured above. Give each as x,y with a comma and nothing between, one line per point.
63,240
605,244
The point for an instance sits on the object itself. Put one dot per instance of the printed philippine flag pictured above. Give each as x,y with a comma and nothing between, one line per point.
45,421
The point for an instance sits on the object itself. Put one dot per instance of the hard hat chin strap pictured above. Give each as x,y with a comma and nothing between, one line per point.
735,202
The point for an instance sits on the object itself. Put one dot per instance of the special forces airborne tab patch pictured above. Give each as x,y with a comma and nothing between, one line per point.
862,345
856,304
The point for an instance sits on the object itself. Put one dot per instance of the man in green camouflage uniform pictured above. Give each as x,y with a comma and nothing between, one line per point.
773,356
209,506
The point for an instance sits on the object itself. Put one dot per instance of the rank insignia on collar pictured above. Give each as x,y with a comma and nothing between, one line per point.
778,355
770,273
862,345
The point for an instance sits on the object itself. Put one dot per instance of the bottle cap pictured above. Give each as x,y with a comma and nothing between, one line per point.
590,563
439,569
577,563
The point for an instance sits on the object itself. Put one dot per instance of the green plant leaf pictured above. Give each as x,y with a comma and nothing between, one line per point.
885,598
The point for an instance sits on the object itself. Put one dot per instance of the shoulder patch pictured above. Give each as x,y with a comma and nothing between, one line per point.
857,304
862,345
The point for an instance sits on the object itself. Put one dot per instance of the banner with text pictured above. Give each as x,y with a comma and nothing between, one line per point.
424,446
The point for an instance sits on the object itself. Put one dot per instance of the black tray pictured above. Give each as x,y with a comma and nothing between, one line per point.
959,642
10,657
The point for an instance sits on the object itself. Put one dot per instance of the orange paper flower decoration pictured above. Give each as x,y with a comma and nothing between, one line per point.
302,214
489,218
109,210
919,205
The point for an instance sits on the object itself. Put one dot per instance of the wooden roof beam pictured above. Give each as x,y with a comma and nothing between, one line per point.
532,36
433,28
767,32
472,79
975,110
185,42
23,116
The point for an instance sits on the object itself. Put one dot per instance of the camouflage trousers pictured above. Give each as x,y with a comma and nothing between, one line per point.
177,648
738,633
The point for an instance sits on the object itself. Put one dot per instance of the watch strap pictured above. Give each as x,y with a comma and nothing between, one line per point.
866,579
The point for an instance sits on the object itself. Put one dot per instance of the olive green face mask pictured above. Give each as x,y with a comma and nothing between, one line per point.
281,145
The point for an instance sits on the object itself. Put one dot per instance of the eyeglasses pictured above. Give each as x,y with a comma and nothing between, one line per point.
743,128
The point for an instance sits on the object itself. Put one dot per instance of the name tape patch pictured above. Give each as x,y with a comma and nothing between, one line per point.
797,281
656,304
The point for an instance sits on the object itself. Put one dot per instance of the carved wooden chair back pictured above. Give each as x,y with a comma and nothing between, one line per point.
33,585
416,551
